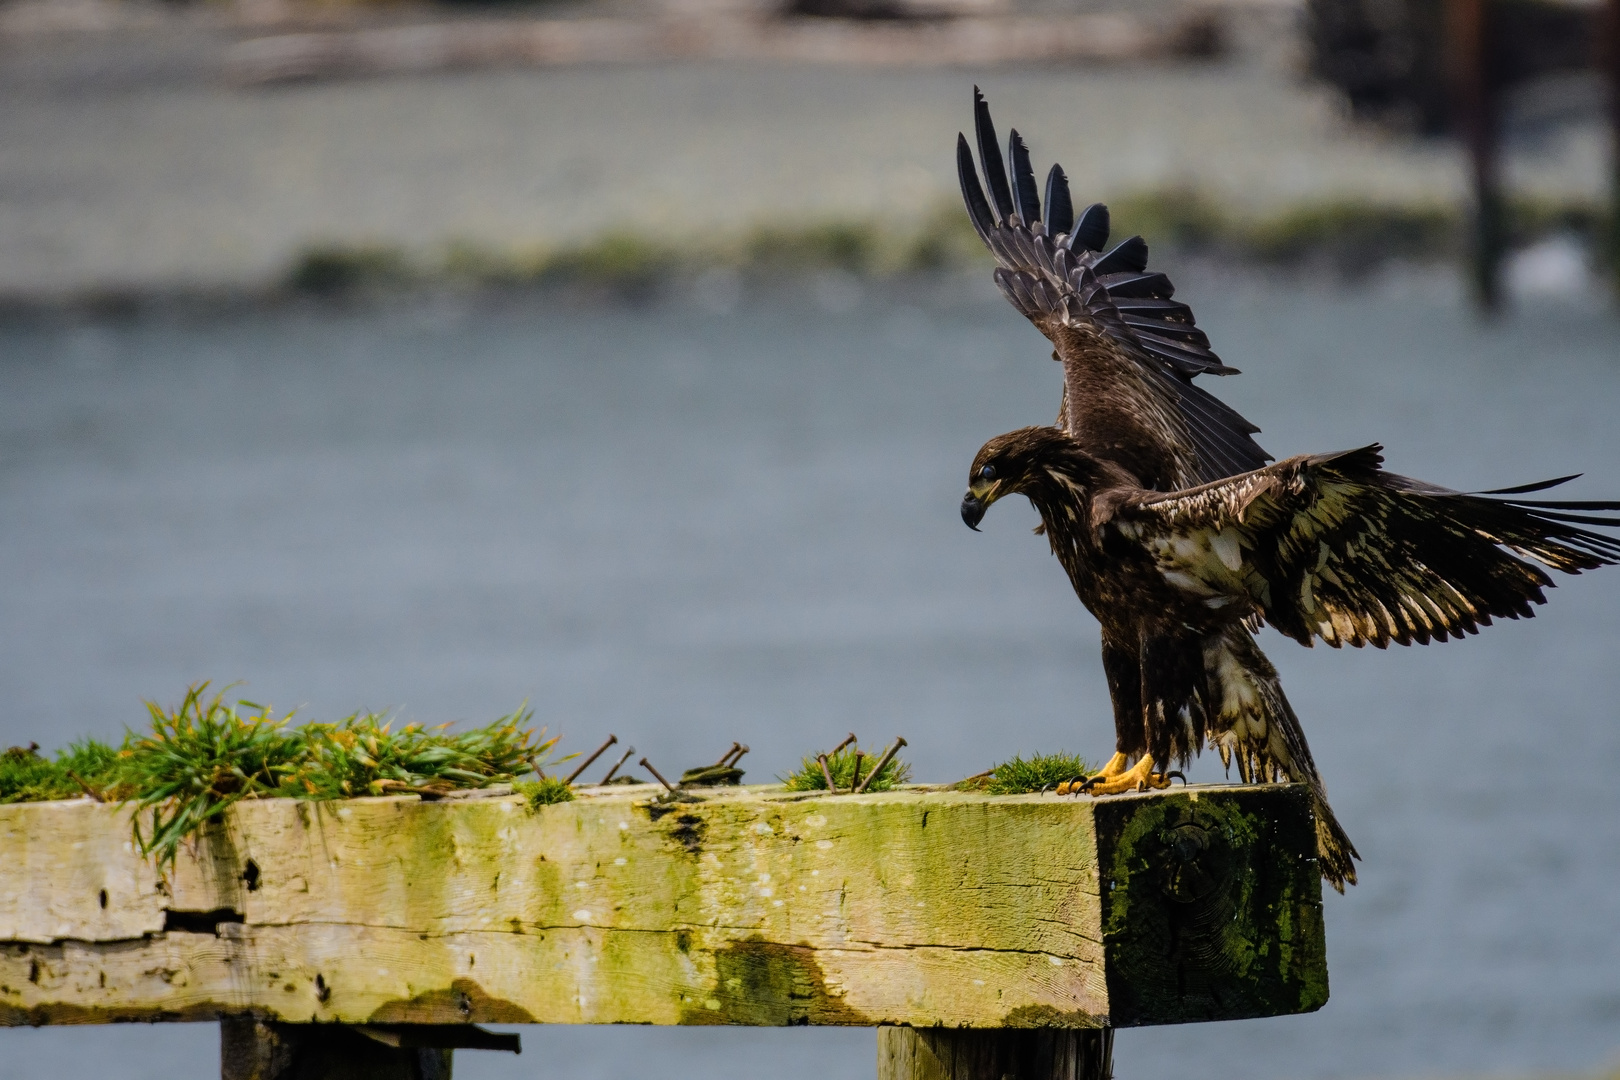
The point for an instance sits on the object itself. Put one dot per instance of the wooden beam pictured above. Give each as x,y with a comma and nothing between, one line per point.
918,907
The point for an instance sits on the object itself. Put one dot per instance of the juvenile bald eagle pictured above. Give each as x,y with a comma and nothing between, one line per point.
1179,539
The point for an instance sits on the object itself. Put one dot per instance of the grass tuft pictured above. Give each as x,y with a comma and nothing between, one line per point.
363,755
1018,776
808,777
197,759
545,792
26,776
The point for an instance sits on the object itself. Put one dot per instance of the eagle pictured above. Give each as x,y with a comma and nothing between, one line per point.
1182,541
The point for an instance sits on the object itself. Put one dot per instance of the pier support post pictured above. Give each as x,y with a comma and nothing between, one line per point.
1478,108
254,1049
906,1053
1609,52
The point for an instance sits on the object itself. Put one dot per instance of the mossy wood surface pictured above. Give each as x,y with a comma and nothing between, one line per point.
744,906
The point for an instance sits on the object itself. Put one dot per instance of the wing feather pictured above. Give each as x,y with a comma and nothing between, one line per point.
1091,231
995,170
1059,207
1335,548
1028,199
1129,352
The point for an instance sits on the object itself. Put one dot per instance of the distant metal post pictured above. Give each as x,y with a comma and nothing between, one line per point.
1609,56
1468,29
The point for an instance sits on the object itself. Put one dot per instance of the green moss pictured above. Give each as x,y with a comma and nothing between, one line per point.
1018,776
808,776
544,792
768,984
1242,935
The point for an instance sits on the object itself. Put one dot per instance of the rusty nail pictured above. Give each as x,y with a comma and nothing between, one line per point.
725,757
855,777
96,795
742,748
645,764
618,763
826,774
611,739
882,761
847,740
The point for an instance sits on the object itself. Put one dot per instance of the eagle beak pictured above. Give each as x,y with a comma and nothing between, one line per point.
973,509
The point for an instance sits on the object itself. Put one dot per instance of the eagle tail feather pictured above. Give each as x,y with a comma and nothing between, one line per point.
1252,722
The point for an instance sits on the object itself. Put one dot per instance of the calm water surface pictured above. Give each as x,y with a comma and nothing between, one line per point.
688,526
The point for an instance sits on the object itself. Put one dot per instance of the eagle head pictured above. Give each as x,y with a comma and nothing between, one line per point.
1010,464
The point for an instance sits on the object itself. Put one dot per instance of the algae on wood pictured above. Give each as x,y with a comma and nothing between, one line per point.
741,906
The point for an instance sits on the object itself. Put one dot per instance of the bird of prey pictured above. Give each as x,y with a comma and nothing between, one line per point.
1181,541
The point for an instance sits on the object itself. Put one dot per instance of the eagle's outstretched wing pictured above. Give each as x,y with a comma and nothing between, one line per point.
1331,546
1129,351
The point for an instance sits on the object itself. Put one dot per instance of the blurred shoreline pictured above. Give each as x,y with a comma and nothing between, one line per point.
134,164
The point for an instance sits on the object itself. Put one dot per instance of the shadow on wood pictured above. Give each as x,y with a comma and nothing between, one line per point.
253,1049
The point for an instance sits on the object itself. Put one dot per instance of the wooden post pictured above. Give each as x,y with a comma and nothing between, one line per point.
254,1049
1478,111
906,1053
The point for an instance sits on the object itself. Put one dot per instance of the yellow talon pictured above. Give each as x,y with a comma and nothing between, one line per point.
1115,778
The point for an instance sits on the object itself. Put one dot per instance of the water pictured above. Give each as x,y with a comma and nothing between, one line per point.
686,526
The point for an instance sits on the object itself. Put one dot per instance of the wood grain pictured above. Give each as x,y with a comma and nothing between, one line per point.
743,906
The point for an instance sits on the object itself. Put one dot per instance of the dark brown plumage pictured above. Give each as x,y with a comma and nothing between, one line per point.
1129,352
1180,539
1327,546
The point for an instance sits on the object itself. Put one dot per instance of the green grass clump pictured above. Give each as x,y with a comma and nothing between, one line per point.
26,776
1017,776
363,755
546,791
196,760
808,776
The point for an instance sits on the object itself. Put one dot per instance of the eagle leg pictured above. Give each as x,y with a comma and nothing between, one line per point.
1139,777
1080,785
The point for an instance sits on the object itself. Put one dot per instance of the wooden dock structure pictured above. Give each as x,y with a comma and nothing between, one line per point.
984,936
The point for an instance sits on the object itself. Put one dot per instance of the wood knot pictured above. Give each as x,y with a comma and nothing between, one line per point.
1197,863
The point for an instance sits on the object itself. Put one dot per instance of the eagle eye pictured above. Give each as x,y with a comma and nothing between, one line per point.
987,473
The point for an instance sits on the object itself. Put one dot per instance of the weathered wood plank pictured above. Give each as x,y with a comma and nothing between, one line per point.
751,906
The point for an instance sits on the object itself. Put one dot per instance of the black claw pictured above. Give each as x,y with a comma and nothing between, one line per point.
1177,773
